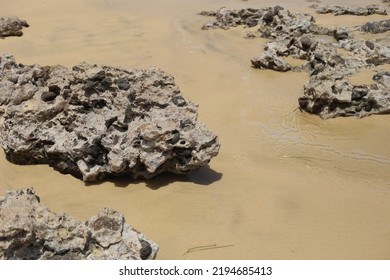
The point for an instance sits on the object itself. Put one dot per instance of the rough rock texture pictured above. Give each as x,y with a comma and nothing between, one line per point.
376,27
276,23
357,11
11,27
328,92
29,230
272,21
97,121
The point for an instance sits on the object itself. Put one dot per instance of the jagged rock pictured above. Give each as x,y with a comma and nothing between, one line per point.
376,27
12,27
272,21
226,18
357,11
97,121
29,230
269,60
329,93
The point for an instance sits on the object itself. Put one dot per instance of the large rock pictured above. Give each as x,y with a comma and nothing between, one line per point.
97,121
29,230
11,27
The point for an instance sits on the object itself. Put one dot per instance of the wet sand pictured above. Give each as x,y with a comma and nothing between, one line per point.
286,184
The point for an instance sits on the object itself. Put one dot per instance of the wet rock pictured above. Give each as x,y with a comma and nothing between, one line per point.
98,121
269,60
357,11
329,93
376,27
30,231
12,26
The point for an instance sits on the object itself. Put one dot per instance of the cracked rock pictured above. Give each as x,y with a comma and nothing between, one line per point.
30,231
97,121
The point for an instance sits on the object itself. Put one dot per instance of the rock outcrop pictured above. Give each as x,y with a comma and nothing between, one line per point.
29,230
357,11
98,121
12,27
328,93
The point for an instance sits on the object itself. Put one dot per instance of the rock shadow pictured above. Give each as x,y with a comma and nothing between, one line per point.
204,176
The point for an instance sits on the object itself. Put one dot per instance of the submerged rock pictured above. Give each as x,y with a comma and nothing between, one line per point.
97,121
12,27
30,231
357,11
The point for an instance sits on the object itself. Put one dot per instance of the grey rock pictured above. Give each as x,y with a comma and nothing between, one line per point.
269,60
12,26
226,18
328,93
272,21
357,11
376,27
29,230
98,121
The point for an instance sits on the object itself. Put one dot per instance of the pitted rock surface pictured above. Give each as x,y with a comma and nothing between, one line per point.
98,121
29,230
12,27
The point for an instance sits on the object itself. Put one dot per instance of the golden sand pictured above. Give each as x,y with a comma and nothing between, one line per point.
286,184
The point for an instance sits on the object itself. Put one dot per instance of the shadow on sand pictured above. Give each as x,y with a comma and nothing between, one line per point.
203,176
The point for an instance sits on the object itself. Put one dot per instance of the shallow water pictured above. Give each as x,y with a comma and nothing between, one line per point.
286,184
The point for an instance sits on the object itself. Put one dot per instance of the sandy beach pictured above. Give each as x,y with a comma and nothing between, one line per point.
285,185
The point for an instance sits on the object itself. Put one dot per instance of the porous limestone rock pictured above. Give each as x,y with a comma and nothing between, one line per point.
12,27
97,121
29,230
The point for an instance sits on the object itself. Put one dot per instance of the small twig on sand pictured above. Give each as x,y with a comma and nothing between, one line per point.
207,247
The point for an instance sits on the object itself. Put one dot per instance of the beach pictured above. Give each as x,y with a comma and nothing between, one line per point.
285,185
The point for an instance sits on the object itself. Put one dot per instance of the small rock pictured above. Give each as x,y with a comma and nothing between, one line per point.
12,27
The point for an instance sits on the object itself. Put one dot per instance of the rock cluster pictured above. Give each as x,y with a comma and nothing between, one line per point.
97,121
12,27
29,230
357,11
328,92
